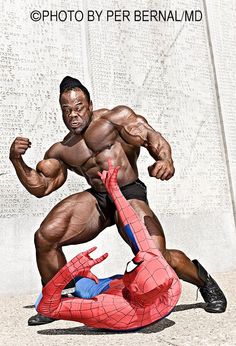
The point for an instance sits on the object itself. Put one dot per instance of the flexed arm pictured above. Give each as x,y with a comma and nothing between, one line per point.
49,175
135,130
133,226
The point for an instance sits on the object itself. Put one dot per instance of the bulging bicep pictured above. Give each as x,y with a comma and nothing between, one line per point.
54,172
49,167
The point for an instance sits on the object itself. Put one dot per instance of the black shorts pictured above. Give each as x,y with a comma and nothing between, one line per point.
135,190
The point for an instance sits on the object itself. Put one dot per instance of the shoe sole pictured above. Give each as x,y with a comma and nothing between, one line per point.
38,323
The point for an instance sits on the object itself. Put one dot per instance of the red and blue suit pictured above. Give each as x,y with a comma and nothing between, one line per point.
141,296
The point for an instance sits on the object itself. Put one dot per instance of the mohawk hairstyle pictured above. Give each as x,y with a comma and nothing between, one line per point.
69,83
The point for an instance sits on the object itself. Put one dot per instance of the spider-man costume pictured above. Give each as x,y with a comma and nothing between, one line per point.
142,296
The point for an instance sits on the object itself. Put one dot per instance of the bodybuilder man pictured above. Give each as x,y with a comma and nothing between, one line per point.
93,137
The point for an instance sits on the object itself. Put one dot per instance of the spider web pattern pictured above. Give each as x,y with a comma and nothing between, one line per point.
142,296
109,310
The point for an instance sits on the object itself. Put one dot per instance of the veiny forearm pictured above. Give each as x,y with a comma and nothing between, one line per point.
138,132
158,147
30,178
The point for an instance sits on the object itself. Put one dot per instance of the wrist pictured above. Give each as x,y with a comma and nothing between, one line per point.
15,157
168,159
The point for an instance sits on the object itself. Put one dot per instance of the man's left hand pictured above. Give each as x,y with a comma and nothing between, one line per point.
162,169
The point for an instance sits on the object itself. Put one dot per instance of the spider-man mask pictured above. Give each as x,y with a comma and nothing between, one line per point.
145,277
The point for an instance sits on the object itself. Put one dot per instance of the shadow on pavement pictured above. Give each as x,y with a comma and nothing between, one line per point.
183,307
28,307
153,328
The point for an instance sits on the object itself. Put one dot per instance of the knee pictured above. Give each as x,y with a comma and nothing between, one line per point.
174,258
43,240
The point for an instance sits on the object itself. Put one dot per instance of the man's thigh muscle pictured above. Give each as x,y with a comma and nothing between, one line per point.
151,222
74,220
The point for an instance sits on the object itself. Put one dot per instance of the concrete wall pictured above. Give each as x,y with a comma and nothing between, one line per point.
180,75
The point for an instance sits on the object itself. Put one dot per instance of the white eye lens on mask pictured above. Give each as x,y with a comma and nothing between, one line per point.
131,266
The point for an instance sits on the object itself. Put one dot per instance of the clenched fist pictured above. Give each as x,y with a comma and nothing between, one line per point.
162,169
19,147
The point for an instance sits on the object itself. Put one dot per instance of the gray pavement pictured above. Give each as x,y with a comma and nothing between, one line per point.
189,324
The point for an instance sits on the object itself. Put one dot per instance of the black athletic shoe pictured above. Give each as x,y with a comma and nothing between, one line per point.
211,292
39,319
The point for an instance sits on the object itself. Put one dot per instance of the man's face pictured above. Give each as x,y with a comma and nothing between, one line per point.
76,110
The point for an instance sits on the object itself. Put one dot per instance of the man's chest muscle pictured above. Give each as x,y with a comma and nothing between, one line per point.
96,140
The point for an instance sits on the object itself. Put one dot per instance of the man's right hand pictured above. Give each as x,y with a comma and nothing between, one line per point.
19,147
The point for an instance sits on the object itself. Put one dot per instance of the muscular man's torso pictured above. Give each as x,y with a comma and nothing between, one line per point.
88,153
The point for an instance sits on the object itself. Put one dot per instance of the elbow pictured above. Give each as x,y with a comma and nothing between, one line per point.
39,193
45,310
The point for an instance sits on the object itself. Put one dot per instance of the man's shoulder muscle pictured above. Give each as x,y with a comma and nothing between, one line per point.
54,151
98,113
123,116
119,115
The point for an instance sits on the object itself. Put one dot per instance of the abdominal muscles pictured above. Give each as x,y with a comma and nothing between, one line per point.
99,162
